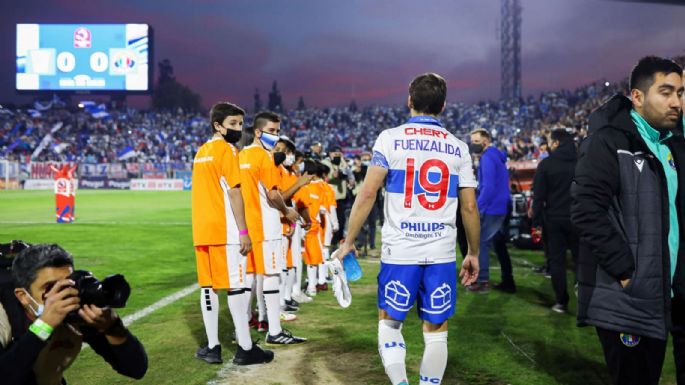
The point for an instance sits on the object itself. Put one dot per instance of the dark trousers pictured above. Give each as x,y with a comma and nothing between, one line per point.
637,365
340,210
499,243
560,236
678,334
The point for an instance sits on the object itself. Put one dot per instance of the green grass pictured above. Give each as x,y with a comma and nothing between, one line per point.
493,339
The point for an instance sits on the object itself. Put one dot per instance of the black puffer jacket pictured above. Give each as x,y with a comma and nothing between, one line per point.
620,209
551,196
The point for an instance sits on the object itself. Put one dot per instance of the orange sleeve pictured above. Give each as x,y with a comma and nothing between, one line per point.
268,173
230,167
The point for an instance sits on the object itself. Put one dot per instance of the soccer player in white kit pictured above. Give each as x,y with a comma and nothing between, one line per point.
428,171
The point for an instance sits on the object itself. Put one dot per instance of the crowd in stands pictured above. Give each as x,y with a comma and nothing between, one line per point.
520,127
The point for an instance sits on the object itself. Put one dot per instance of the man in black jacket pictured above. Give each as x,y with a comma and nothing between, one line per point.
627,200
552,201
37,342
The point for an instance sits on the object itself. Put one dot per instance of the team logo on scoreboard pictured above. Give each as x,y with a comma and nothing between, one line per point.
82,38
123,61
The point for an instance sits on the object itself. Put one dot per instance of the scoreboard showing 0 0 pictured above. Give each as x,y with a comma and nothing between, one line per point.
66,62
107,57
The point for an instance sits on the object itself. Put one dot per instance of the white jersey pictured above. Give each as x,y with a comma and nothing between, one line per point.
426,167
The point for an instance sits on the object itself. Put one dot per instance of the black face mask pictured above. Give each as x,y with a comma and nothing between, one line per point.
475,148
336,160
232,136
279,158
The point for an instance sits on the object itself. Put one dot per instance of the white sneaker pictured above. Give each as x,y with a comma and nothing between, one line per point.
302,298
311,293
287,317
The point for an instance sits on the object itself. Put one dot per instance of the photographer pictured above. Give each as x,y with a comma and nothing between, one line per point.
38,338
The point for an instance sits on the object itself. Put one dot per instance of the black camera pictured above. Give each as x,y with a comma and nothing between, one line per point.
113,291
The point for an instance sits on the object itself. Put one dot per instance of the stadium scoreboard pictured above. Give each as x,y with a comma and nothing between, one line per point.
83,57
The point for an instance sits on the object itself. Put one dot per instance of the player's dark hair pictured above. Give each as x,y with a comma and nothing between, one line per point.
289,145
482,132
561,135
323,170
221,111
299,154
428,93
642,75
310,167
27,263
247,137
262,118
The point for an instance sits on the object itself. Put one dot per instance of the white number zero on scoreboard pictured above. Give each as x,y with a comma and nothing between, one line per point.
66,61
99,62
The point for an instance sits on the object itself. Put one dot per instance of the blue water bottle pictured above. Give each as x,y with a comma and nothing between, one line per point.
352,269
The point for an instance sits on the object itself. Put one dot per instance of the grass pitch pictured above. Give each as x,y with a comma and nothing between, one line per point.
493,339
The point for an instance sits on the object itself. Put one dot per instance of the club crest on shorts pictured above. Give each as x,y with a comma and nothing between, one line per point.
441,298
629,340
397,295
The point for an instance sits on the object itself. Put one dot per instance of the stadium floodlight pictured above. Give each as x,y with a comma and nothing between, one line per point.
607,84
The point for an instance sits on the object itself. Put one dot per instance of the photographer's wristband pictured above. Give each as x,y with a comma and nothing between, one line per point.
41,329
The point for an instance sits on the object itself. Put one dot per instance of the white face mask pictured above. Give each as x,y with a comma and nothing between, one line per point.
301,168
41,307
289,160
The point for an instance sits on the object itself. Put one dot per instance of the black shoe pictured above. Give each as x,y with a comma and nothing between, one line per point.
289,309
212,356
540,269
505,287
292,303
284,338
256,355
559,308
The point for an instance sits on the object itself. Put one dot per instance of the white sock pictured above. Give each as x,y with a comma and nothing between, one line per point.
261,307
289,281
297,285
237,304
209,302
281,288
434,358
311,278
392,350
249,291
322,274
273,311
326,251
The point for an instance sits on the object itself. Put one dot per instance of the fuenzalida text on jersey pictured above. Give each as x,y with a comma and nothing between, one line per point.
431,145
426,167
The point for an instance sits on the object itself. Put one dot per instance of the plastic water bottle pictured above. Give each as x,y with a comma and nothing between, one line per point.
352,269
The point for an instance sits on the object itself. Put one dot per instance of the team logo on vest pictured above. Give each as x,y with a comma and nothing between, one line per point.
639,163
629,340
669,159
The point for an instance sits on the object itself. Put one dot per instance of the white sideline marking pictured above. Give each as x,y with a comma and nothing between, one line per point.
131,318
222,374
519,349
96,223
169,299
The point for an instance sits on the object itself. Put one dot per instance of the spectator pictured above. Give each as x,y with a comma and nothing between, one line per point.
493,200
551,206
